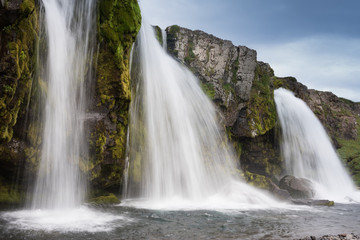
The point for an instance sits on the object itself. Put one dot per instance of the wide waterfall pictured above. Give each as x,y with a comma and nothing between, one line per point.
178,155
68,32
307,150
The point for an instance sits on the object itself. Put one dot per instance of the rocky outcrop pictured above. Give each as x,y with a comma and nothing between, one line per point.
242,89
297,187
226,72
107,121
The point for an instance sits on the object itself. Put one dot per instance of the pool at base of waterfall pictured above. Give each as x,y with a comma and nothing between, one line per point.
121,222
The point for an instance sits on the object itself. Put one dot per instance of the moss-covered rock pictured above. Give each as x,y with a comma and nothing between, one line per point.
109,199
17,64
18,43
261,111
118,24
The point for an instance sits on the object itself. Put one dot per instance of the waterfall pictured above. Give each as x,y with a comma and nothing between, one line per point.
164,39
307,150
177,151
69,53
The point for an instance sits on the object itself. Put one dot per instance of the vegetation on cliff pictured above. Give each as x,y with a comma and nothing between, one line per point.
118,24
18,41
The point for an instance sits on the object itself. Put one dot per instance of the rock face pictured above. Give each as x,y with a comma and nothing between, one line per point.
107,121
297,187
242,89
227,72
18,26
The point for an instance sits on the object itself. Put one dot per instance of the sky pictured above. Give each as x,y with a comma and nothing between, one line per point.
316,41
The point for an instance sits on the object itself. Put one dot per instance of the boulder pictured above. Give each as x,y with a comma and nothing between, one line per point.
297,187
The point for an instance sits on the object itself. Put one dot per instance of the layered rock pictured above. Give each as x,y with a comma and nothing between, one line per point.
242,89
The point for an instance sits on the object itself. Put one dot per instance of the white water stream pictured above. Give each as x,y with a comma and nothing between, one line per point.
179,157
68,26
308,152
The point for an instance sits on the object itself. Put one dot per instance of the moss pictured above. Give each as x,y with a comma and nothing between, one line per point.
209,90
350,154
9,196
118,24
105,200
257,180
158,34
172,32
174,29
261,113
190,55
17,67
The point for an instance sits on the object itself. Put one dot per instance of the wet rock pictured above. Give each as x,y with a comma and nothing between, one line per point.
342,236
312,202
297,187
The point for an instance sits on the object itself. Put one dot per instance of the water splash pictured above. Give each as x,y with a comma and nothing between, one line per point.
68,29
308,152
178,155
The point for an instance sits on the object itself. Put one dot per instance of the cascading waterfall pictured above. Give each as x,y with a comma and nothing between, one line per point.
68,29
177,152
307,150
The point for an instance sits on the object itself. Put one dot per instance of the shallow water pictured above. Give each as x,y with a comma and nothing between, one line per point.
122,222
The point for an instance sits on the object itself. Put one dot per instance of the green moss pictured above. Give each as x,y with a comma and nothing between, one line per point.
118,24
172,32
350,154
174,29
18,66
190,55
257,180
158,34
278,83
105,200
209,90
8,196
261,113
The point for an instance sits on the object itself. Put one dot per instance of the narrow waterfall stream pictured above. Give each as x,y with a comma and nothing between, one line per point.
68,28
178,155
308,152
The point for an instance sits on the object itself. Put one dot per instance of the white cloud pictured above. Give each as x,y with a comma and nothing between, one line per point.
325,63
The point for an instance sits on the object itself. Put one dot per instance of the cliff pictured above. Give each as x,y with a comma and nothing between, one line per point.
242,89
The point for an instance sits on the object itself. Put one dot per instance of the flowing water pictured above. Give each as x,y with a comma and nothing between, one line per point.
178,156
198,224
308,152
68,27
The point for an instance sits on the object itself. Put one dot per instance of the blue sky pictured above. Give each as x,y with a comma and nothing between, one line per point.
316,41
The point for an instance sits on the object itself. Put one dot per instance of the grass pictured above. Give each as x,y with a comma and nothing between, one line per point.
350,154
